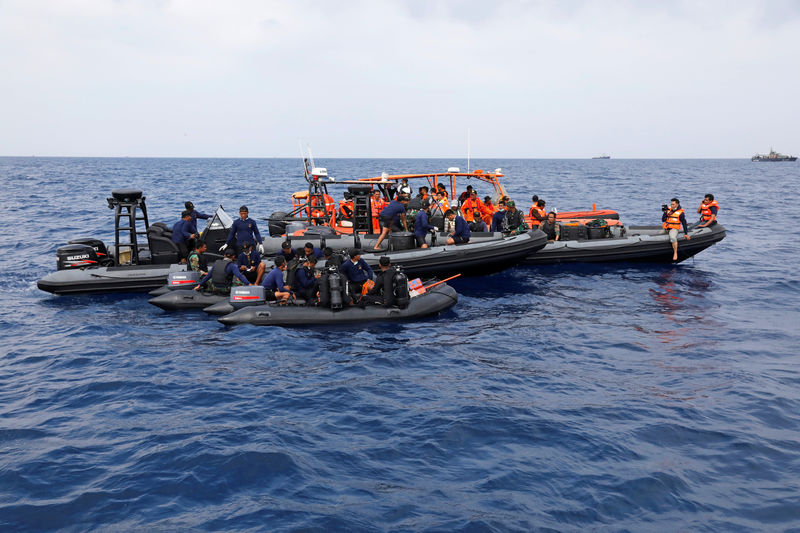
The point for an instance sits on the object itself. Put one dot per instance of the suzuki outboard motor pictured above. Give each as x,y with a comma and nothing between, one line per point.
76,256
99,248
183,280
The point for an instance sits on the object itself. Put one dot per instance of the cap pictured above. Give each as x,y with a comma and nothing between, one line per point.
188,205
230,252
286,245
511,203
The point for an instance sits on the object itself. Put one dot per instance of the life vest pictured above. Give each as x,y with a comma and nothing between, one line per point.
377,207
705,210
673,219
219,276
540,211
346,209
322,207
470,208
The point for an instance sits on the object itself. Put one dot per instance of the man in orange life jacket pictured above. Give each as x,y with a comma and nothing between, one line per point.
673,218
708,211
538,212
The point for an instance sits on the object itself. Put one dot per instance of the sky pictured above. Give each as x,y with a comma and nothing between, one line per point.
414,78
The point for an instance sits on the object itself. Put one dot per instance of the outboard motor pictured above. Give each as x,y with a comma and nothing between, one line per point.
183,280
401,294
247,295
99,248
76,256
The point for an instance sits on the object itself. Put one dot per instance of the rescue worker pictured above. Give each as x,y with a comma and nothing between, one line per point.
250,263
538,212
376,204
196,260
441,201
287,252
223,274
464,195
550,227
331,258
421,225
461,233
306,280
346,207
357,271
390,217
491,209
515,222
195,214
708,211
404,188
377,292
423,193
673,218
243,229
182,233
499,218
309,250
275,288
473,208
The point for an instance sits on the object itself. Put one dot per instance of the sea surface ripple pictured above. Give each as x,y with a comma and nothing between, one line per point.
558,398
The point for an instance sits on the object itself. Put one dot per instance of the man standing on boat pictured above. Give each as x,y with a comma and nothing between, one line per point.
243,229
183,233
673,219
390,217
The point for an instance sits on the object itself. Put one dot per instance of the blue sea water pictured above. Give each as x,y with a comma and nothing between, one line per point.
601,397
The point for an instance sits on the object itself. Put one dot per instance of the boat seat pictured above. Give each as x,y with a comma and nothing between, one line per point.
162,250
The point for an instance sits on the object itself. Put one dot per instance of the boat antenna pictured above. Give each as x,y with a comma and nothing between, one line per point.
310,156
305,161
468,151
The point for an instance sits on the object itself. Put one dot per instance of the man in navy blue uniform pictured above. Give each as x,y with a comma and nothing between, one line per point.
309,250
357,271
391,216
461,232
306,280
243,229
499,218
182,232
275,287
421,225
195,214
250,264
223,274
287,252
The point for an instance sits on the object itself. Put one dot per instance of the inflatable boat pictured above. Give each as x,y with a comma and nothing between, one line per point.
141,258
619,243
434,300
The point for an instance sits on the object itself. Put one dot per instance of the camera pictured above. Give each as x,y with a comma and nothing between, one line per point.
664,207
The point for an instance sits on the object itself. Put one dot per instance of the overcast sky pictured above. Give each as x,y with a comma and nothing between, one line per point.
375,78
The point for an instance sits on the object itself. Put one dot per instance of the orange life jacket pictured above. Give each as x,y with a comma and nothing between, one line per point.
470,208
540,211
377,207
674,219
705,210
346,208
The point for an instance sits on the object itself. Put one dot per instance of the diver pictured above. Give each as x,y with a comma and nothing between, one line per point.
306,280
461,233
332,258
422,226
390,217
183,233
243,229
309,250
357,271
197,262
275,288
673,218
223,274
708,211
250,263
377,293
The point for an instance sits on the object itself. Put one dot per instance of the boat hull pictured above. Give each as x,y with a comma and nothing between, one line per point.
96,280
643,243
434,301
186,299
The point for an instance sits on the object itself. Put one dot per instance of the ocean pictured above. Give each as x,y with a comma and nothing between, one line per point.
612,397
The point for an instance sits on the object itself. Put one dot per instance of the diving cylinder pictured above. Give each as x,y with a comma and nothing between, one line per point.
336,287
324,289
401,295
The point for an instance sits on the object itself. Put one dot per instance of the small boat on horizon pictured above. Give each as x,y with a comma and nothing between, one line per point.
602,156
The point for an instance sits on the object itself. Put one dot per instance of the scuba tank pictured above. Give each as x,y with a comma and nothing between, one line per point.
401,295
325,288
336,287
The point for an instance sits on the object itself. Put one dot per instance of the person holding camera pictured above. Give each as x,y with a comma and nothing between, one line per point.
673,218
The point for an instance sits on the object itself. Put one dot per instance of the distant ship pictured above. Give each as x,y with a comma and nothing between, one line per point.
773,156
604,156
